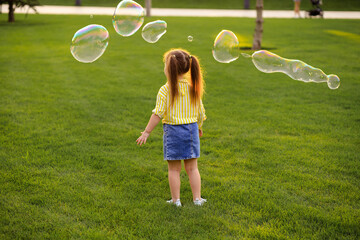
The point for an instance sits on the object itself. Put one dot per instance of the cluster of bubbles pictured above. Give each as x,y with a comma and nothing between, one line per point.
90,42
226,49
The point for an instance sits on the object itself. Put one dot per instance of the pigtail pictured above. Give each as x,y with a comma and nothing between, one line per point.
173,75
196,80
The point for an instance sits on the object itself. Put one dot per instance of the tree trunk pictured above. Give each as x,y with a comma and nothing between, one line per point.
148,7
11,11
246,4
259,25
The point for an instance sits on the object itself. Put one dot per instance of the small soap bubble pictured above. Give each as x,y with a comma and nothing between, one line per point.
128,17
190,38
89,43
153,31
269,62
333,81
91,16
226,47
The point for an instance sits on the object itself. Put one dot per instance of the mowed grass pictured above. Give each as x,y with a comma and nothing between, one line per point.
279,157
333,5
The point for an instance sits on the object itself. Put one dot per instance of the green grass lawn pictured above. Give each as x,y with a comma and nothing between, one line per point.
279,158
334,5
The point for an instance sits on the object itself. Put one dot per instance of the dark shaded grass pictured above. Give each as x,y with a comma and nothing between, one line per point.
333,5
280,158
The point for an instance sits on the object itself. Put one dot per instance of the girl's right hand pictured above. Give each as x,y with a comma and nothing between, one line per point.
142,139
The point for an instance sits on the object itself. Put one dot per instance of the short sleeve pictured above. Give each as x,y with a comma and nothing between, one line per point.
202,116
161,100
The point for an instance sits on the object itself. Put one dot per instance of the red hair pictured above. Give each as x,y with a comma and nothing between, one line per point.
179,62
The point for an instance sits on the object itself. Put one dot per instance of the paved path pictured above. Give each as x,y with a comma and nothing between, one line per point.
160,12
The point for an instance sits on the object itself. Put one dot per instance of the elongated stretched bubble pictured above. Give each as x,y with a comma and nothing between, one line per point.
89,43
269,62
128,17
153,31
226,47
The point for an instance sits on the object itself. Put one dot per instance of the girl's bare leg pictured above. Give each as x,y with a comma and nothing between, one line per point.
174,168
194,177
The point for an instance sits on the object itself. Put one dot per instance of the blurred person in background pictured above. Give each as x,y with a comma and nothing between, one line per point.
297,8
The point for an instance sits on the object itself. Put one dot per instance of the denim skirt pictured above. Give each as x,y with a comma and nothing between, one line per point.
181,141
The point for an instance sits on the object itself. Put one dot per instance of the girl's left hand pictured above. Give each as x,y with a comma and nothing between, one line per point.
200,133
142,139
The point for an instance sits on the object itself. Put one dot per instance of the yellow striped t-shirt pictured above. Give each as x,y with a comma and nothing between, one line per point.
182,111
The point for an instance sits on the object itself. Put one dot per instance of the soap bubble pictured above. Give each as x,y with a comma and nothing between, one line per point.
333,81
153,31
190,38
226,47
89,43
128,17
91,16
246,55
269,62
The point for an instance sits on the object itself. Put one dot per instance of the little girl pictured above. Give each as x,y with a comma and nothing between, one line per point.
179,105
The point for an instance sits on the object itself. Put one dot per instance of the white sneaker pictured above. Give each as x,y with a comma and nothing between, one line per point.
200,202
176,203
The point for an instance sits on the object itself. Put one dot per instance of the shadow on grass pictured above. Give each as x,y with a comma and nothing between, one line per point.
22,24
21,21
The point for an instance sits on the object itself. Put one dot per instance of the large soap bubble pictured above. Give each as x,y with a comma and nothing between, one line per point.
226,47
128,17
89,43
153,31
269,62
